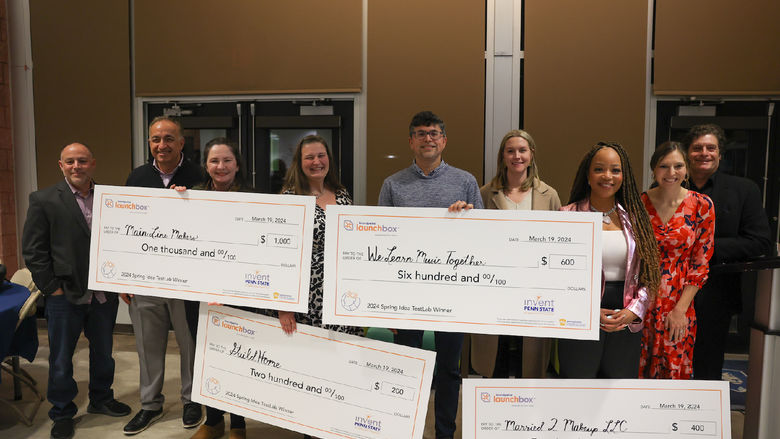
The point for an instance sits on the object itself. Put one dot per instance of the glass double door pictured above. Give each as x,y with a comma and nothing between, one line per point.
266,132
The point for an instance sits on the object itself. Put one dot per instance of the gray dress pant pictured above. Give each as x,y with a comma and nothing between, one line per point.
151,317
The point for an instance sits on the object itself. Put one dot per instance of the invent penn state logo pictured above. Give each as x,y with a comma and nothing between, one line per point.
350,301
349,225
108,269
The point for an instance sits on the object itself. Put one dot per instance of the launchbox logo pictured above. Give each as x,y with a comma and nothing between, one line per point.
370,226
241,329
508,398
123,204
349,225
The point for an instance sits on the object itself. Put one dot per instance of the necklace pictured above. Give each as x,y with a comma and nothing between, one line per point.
606,218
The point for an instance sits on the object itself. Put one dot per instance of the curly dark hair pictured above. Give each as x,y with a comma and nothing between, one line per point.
628,197
697,131
426,119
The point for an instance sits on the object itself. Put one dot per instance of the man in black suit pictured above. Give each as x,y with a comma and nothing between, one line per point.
152,316
741,232
55,245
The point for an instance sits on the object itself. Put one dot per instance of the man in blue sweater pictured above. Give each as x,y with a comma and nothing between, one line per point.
430,182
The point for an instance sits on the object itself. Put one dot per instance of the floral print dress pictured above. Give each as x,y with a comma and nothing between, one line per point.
685,245
314,316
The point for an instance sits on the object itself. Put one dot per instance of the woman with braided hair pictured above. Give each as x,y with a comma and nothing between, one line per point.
630,269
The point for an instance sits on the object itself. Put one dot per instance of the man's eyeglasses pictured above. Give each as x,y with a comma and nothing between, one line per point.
421,134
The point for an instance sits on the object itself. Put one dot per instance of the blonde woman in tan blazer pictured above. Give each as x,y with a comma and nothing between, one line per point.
516,186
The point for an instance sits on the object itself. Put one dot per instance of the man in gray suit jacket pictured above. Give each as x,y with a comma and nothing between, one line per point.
55,245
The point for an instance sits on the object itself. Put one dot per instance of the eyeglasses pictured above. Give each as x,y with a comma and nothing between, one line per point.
421,134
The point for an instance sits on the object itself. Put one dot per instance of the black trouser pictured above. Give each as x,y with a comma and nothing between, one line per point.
713,317
447,379
613,355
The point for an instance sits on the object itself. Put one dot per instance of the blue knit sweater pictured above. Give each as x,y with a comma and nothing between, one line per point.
410,187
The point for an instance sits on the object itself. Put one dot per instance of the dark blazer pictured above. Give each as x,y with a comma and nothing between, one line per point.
741,225
189,174
741,232
55,242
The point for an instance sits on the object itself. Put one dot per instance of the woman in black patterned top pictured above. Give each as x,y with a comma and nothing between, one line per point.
311,173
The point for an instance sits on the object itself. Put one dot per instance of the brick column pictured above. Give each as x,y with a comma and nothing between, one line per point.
8,244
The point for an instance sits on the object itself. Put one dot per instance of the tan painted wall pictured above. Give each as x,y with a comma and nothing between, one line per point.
81,84
584,81
428,58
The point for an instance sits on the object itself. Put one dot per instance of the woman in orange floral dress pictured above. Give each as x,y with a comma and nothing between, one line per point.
684,225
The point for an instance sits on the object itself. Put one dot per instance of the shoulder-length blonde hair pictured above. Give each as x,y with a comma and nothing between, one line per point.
532,172
296,180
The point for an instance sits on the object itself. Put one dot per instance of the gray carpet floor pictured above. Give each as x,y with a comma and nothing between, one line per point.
126,390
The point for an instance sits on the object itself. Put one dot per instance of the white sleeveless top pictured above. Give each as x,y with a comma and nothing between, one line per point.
613,255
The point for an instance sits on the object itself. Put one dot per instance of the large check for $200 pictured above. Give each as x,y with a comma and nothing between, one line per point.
627,409
481,271
227,247
323,383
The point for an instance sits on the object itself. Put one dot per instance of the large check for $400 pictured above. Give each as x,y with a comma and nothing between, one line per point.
227,247
323,383
630,409
481,271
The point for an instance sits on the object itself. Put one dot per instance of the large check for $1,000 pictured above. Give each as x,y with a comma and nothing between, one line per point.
226,247
322,383
479,271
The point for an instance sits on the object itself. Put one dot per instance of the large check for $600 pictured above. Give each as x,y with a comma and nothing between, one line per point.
480,271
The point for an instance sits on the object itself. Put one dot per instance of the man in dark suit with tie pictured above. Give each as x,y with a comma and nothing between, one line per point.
55,245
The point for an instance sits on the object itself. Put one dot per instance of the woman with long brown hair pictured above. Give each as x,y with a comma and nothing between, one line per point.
684,226
312,173
630,271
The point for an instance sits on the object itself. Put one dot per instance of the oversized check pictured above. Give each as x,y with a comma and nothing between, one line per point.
226,247
481,271
631,409
318,382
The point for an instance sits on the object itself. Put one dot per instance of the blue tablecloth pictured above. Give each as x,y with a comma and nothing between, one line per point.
24,340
